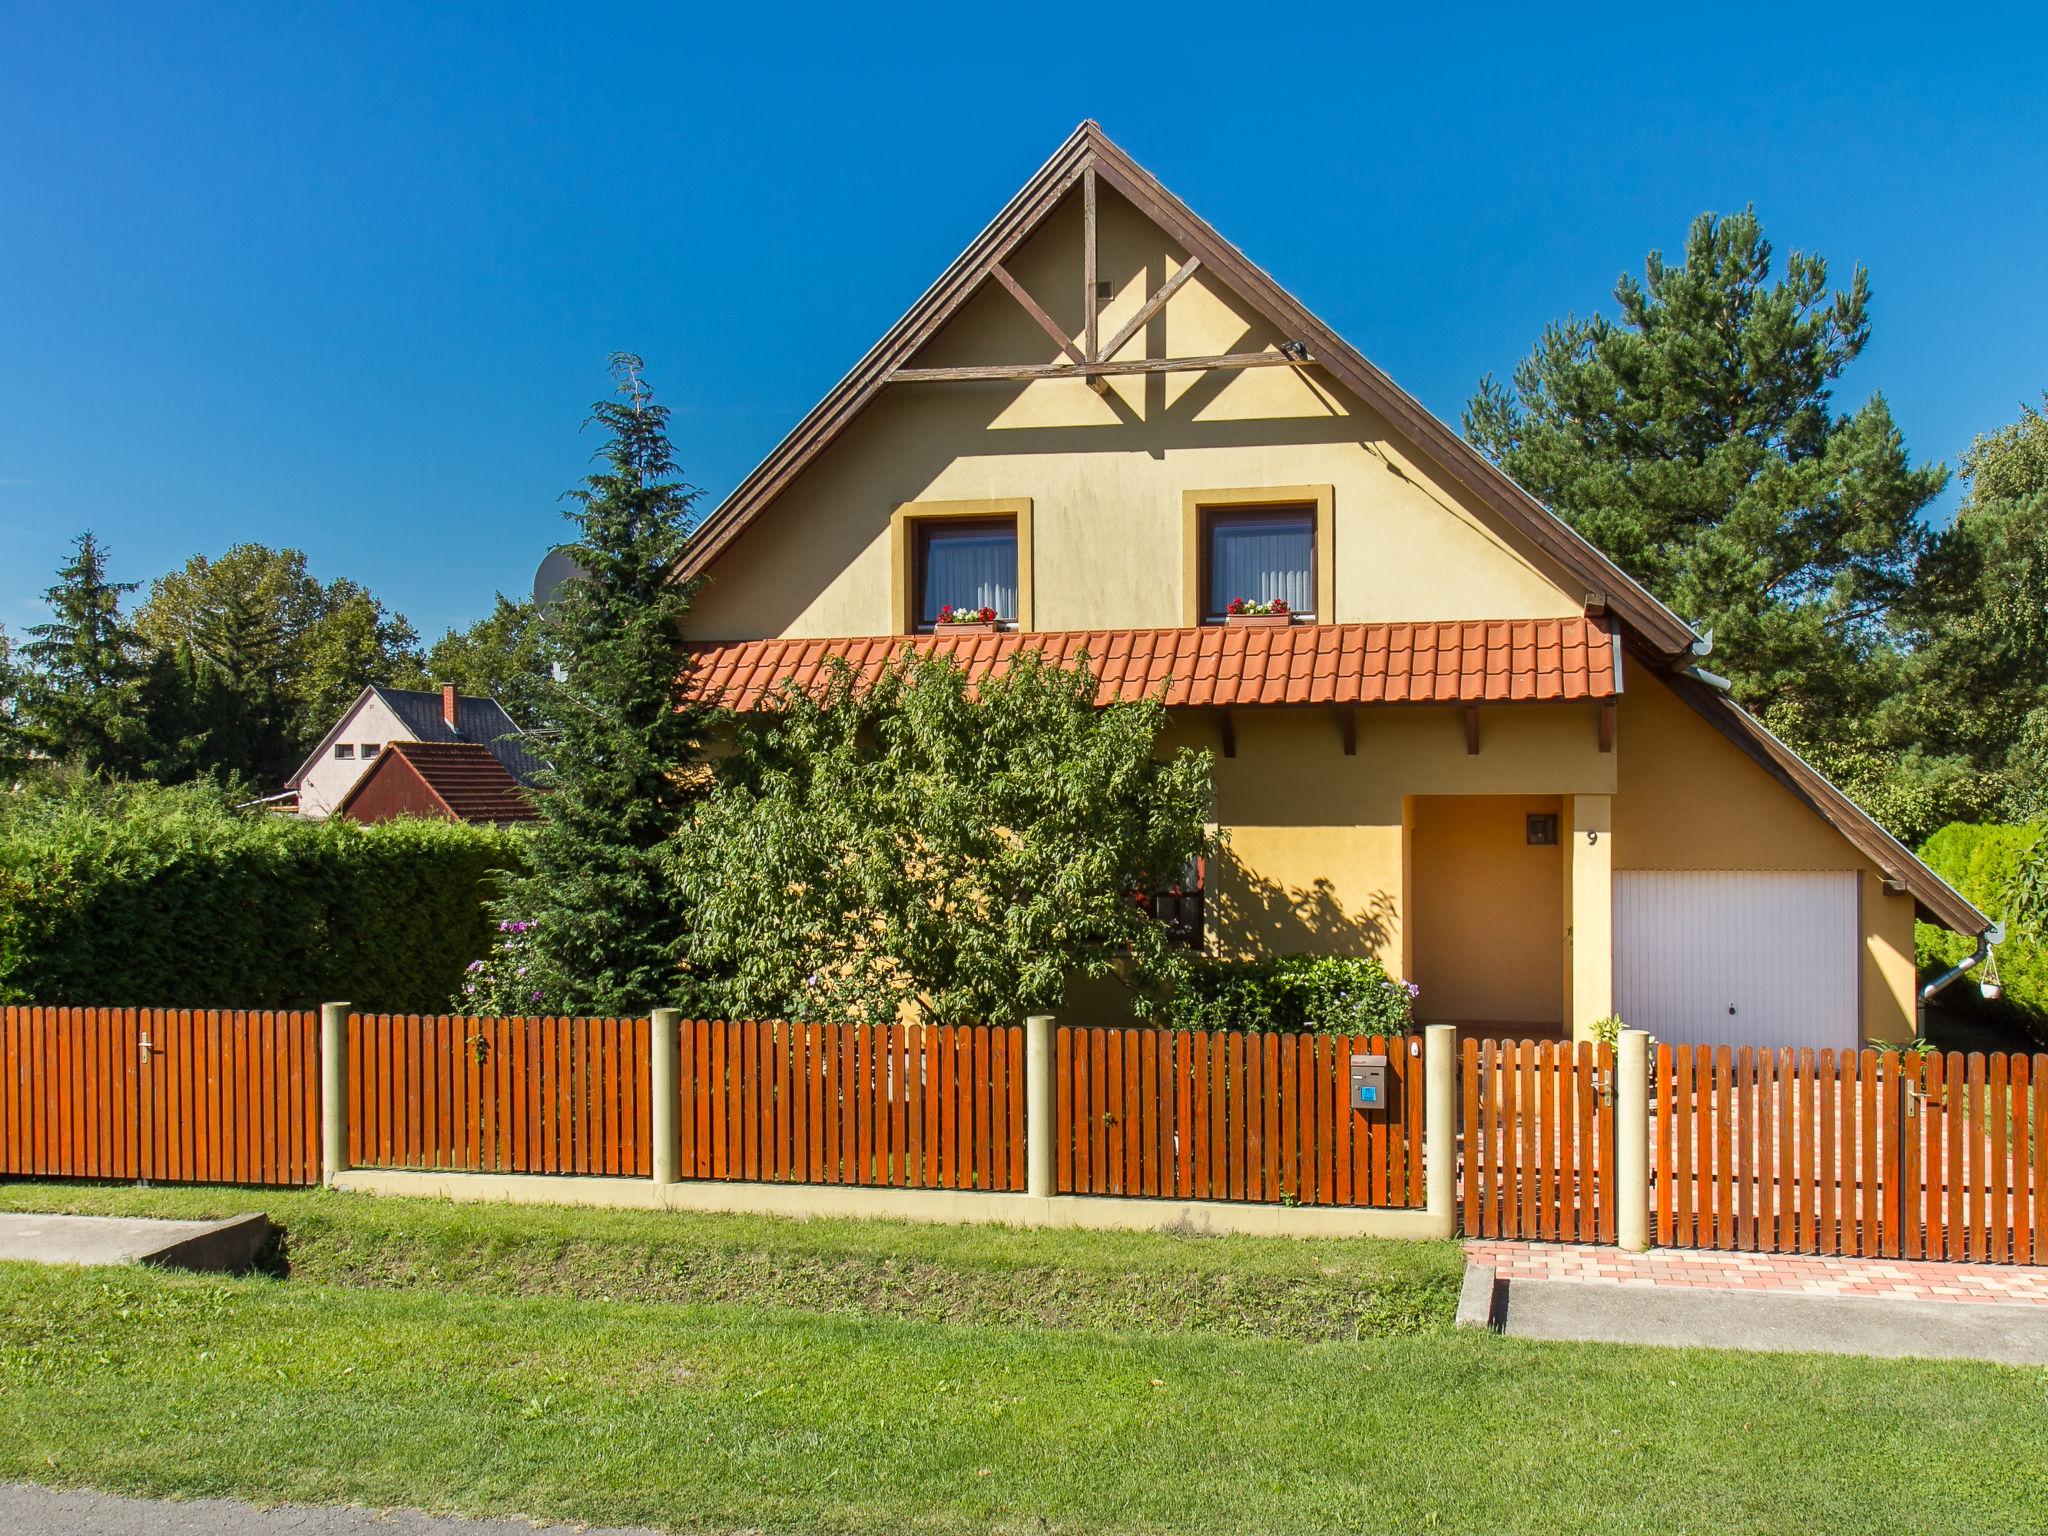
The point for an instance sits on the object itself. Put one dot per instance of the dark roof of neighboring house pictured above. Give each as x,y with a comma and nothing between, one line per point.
464,776
482,721
1218,666
479,720
1090,152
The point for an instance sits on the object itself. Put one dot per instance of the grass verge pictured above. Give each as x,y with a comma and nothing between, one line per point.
1265,1287
723,1417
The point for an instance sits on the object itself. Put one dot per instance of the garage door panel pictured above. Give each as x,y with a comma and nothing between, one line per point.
1738,957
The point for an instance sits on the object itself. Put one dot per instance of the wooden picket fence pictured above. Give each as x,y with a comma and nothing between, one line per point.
167,1095
1538,1140
903,1106
1194,1115
1879,1154
485,1095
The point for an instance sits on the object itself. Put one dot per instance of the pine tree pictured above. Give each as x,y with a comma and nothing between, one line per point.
1694,440
82,698
609,926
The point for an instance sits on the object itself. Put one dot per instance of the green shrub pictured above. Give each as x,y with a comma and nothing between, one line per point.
1983,861
1309,994
140,895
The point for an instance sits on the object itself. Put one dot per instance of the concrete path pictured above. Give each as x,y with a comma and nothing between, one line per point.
227,1245
1776,1321
1773,1302
26,1511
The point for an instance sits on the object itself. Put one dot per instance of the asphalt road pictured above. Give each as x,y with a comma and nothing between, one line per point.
27,1511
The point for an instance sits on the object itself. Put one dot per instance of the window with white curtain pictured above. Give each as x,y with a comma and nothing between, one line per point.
1261,556
967,565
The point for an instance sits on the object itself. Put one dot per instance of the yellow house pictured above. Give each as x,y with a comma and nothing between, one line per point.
1472,745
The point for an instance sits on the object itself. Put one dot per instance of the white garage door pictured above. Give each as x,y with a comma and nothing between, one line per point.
1738,957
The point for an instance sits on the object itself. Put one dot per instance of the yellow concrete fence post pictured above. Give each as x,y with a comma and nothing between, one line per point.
1632,1140
667,1028
1440,1126
333,1091
1038,1094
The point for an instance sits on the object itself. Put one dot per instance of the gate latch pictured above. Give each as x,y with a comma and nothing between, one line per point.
145,1047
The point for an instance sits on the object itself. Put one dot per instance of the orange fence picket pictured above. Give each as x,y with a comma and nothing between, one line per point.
1875,1154
542,1095
1225,1115
901,1106
1538,1140
167,1095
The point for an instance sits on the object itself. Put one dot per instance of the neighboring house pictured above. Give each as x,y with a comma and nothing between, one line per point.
1478,750
454,780
380,717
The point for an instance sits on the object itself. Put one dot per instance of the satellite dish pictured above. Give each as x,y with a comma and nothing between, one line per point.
556,571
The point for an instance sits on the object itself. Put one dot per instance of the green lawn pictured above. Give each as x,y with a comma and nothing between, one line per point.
1102,1280
836,1415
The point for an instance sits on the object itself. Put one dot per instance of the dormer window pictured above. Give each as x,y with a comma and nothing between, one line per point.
1261,556
966,563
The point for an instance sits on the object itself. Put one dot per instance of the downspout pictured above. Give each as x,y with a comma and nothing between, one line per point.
1995,934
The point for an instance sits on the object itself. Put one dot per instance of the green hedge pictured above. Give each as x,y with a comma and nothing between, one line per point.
138,895
1981,861
1310,994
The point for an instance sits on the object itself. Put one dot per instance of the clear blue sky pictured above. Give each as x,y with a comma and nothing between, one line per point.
345,277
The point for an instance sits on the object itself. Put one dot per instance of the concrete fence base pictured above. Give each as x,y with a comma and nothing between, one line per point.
964,1207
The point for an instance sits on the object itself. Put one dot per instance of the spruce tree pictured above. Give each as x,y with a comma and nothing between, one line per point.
82,698
609,927
14,737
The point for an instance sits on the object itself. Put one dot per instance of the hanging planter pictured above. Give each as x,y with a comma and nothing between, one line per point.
1988,982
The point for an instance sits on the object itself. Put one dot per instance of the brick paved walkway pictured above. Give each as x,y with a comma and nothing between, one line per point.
1801,1274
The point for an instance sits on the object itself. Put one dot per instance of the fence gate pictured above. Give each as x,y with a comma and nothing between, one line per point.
165,1095
1538,1140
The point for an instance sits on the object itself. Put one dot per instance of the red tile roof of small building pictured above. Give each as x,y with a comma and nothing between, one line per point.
465,776
1475,661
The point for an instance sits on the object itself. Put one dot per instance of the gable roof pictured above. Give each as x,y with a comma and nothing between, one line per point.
479,720
1090,149
464,777
1939,900
1218,667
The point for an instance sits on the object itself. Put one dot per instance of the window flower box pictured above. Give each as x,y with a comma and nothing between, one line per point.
967,621
1250,613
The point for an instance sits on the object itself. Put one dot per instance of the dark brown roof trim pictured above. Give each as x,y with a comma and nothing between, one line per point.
1938,901
1653,625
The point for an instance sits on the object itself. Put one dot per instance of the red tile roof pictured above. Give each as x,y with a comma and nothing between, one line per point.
465,777
1459,662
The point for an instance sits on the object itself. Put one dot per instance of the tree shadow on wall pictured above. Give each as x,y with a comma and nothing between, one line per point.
1257,914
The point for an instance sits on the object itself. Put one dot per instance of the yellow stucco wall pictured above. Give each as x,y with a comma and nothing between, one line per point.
1315,857
1488,908
1690,799
1106,477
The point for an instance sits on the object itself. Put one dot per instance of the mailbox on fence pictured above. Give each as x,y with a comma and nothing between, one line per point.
1368,1082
